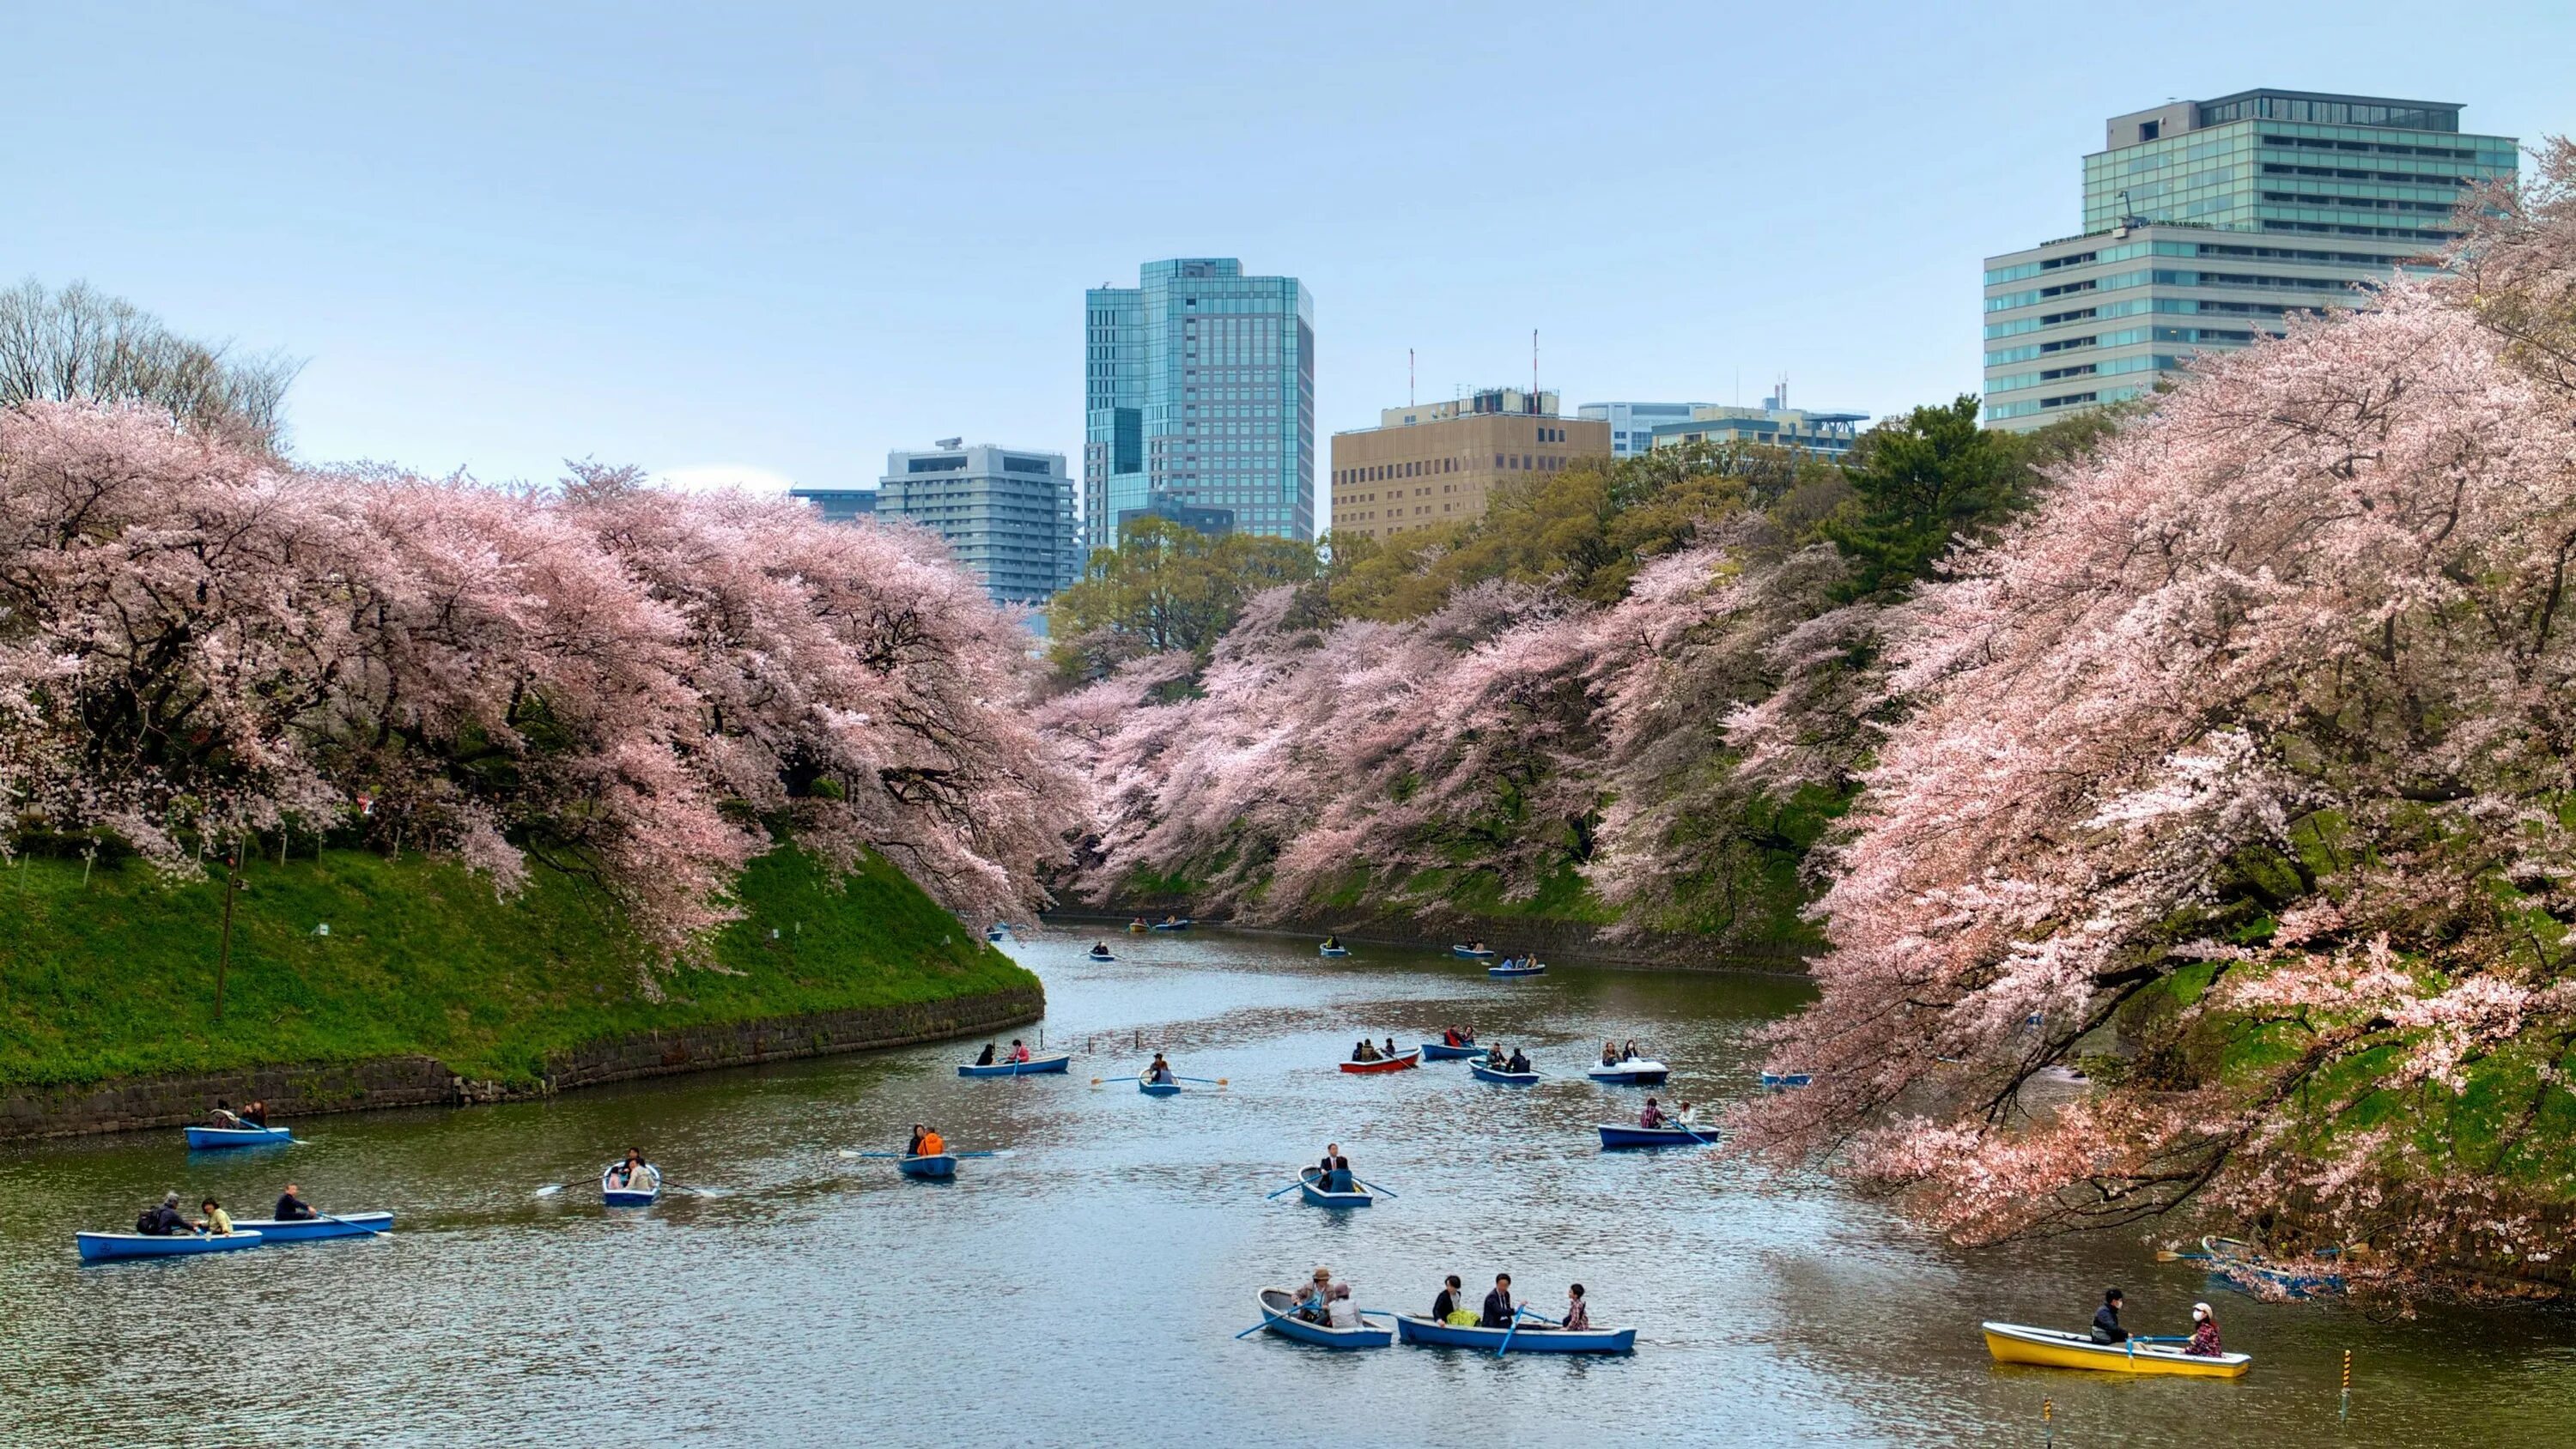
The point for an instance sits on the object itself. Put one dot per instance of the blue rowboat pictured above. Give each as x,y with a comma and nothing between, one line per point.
997,933
105,1247
940,1165
1279,1315
1533,968
1529,1338
1332,950
1434,1051
1316,1196
632,1194
2242,1265
1485,1073
1158,1089
1615,1135
1777,1081
1472,953
1036,1066
208,1139
1179,925
305,1230
1634,1072
1100,953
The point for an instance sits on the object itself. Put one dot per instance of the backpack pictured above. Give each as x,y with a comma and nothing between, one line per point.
148,1221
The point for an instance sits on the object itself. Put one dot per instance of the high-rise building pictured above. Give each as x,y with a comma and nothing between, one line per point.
1199,401
2207,222
1633,424
1438,463
840,505
1007,513
1824,431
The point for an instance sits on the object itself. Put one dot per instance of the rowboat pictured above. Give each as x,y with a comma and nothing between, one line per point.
1313,1194
1485,1073
1403,1062
1616,1135
1137,928
1472,953
208,1139
1180,925
1508,968
929,1164
1278,1314
1634,1072
2051,1348
1036,1066
1101,953
631,1194
305,1230
1439,1051
1777,1081
1332,950
102,1247
2240,1260
1158,1089
1528,1338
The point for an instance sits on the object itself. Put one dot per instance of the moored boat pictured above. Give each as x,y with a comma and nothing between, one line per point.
2055,1348
1523,967
1441,1051
613,1193
1778,1081
105,1247
1617,1135
1402,1061
2244,1263
1472,953
208,1139
1036,1066
305,1230
1279,1315
1634,1072
928,1165
1311,1190
1528,1338
1497,1075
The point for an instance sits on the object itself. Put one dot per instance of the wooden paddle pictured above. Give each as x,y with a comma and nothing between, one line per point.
2168,1255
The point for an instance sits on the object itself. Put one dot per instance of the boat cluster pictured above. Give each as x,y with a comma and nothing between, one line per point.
164,1232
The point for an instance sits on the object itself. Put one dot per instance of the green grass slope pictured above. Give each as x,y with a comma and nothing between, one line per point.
117,977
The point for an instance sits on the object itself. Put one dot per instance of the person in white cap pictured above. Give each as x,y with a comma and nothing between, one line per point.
2204,1333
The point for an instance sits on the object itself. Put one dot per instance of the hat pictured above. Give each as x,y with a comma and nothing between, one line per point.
1323,1275
2202,1309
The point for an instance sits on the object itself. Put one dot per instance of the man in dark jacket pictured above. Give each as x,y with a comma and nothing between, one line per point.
1333,1174
2106,1322
292,1208
1498,1304
166,1220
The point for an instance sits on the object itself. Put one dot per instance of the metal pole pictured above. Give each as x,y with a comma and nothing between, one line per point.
2048,1421
2343,1410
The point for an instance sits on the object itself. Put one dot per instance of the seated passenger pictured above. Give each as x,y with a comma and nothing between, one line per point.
216,1221
1609,1054
985,1057
1519,1061
1341,1312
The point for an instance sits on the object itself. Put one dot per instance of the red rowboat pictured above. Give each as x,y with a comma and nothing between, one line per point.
1391,1064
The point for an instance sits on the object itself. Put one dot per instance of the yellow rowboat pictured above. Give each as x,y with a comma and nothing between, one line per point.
2049,1348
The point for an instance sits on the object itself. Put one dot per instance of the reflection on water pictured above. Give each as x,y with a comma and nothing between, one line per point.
1086,1288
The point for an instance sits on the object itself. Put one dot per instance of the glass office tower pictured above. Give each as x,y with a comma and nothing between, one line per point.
1199,401
2207,223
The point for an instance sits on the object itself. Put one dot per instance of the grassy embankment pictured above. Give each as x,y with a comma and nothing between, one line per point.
116,977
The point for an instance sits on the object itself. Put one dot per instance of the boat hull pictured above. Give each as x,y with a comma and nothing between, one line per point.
1159,1089
109,1247
1037,1066
1631,1074
2243,1266
1485,1073
1782,1081
213,1139
1402,1063
1171,925
1471,953
1433,1051
631,1195
1531,1338
1615,1136
1332,950
305,1230
1278,1316
1508,972
1315,1196
2054,1348
931,1166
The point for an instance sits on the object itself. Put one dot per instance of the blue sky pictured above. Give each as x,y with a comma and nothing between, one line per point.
776,241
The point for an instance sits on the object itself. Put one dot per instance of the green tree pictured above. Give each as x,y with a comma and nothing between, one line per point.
1922,481
1167,586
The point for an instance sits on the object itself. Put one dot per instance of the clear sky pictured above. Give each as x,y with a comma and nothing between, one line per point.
774,241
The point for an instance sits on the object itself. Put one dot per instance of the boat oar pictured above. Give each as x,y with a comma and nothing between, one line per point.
1210,1081
560,1186
2160,1338
1506,1345
1292,1187
845,1152
1267,1318
2168,1255
1373,1187
344,1222
987,1152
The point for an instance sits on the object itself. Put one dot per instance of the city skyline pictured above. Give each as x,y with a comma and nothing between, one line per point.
714,254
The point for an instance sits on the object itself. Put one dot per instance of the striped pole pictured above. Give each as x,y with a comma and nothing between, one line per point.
2048,1421
2343,1412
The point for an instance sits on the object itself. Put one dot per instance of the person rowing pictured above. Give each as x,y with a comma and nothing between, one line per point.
1519,1062
1019,1052
255,1114
630,1173
1159,1072
165,1220
929,1143
1361,1051
2106,1319
1494,1057
1313,1301
1333,1174
1388,1052
1499,1308
1332,942
1100,950
292,1208
224,1116
1652,1117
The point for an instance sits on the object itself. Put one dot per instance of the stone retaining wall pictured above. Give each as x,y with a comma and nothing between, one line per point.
312,1089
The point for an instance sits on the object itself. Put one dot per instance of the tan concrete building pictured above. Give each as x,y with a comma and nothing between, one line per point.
1439,463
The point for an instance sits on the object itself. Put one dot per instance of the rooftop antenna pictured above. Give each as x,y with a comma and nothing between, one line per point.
1408,377
1533,402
